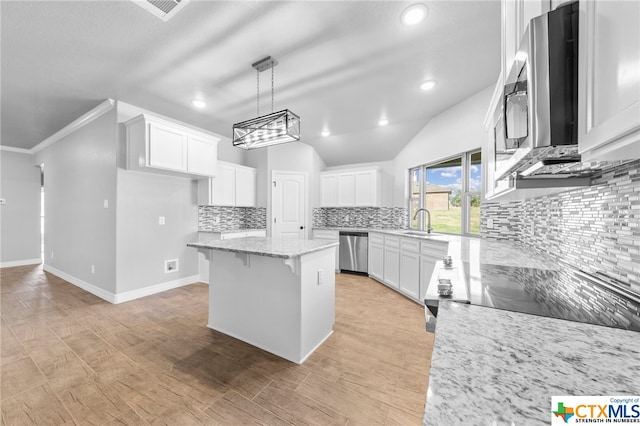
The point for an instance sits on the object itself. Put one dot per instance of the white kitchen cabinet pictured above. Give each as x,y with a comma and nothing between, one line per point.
609,80
346,189
234,185
329,235
376,256
391,268
430,253
329,190
409,282
202,155
356,188
155,144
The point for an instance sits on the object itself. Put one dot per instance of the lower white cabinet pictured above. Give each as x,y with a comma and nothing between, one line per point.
391,272
410,267
328,235
376,256
404,263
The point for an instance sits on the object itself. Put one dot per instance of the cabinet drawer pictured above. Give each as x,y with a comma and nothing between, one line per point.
325,235
433,248
407,244
376,239
392,242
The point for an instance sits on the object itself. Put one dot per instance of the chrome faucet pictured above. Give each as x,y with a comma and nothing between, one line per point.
429,228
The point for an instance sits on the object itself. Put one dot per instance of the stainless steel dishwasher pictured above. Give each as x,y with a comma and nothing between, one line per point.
354,251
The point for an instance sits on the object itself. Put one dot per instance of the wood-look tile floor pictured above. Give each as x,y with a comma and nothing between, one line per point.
68,357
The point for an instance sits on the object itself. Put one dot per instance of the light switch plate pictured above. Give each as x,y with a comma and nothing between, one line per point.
3,201
161,220
320,276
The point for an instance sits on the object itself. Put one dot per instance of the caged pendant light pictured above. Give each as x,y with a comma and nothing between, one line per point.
271,129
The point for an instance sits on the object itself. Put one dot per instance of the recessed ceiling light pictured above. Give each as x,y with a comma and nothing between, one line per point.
427,85
325,133
414,14
383,122
198,103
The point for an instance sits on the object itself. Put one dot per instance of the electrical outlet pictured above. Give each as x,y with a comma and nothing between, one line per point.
489,223
106,204
3,201
52,255
93,269
161,220
216,220
320,276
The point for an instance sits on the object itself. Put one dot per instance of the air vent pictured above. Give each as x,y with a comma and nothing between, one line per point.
163,9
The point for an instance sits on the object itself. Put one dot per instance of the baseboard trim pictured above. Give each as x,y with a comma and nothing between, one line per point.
95,290
126,296
23,262
157,288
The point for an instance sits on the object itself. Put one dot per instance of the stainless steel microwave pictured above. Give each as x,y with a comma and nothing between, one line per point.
540,98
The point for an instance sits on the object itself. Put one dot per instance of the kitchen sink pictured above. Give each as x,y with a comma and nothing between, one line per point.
419,233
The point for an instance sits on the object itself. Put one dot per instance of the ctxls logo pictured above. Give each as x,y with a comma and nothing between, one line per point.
595,409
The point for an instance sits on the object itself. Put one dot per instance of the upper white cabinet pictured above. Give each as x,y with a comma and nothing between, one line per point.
358,188
609,80
234,185
156,144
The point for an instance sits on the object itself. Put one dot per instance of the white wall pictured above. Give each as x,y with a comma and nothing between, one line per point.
143,244
456,130
20,216
80,174
293,156
387,178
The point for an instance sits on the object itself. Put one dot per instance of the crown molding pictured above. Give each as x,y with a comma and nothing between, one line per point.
14,149
76,124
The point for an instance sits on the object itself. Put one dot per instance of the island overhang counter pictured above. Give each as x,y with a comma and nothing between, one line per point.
275,294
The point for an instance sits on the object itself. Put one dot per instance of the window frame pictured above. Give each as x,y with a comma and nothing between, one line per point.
465,192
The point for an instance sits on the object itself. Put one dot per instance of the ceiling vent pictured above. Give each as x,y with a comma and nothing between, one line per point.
163,9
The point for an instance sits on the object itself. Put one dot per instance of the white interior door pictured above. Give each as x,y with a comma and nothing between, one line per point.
288,200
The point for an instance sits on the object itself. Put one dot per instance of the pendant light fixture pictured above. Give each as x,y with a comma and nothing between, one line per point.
271,129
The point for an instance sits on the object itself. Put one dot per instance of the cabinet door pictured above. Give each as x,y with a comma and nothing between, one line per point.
224,186
427,265
202,154
329,190
410,274
366,188
167,148
346,189
376,261
392,266
609,79
245,191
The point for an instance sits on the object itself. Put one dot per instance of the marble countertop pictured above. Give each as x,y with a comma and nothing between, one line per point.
490,365
231,231
278,247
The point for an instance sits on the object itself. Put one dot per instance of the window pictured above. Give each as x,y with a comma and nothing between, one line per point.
450,191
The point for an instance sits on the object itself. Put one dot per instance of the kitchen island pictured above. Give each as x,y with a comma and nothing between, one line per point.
275,294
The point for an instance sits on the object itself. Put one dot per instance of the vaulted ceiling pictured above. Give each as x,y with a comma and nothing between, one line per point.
342,66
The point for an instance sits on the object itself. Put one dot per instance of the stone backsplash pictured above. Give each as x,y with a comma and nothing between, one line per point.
361,217
595,229
219,218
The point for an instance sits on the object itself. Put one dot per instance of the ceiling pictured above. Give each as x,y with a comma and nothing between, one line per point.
341,66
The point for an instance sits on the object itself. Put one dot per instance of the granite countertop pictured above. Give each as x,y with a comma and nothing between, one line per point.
231,231
278,247
490,365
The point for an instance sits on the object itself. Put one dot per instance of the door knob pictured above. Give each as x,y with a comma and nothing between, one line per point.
302,227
